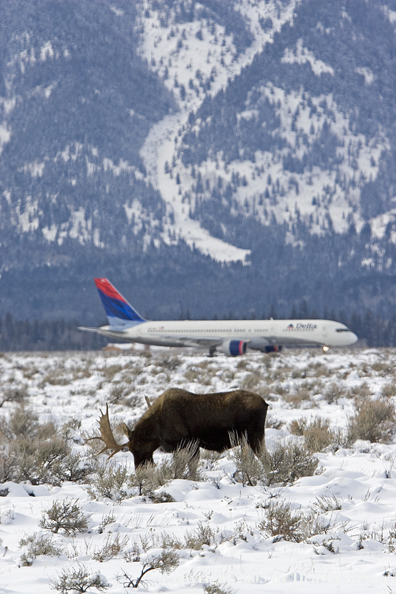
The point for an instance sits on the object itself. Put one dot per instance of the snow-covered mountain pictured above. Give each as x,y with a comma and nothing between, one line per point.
155,140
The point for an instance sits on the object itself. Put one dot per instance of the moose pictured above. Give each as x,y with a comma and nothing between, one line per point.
179,418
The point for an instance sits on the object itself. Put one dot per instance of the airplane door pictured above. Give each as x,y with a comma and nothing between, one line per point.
324,331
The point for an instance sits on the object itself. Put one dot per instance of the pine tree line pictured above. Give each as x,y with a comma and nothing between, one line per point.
43,335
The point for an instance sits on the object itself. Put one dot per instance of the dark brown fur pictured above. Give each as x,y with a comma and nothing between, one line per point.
178,417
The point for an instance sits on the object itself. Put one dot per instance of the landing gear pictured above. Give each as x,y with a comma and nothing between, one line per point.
211,351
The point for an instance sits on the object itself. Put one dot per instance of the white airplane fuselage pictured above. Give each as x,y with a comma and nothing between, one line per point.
231,337
257,333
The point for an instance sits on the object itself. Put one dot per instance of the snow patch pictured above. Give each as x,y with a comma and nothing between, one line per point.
367,73
5,136
50,233
36,168
302,55
117,11
46,51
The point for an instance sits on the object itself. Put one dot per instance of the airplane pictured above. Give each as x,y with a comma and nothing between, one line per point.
230,337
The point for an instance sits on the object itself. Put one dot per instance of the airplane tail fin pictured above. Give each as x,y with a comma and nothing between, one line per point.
119,312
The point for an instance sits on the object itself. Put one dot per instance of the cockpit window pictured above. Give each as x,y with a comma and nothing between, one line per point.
342,330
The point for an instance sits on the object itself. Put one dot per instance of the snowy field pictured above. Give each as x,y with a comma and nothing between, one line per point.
322,517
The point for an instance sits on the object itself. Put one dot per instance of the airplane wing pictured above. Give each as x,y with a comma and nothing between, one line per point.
192,341
100,331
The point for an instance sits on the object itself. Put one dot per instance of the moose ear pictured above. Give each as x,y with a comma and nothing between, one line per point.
128,432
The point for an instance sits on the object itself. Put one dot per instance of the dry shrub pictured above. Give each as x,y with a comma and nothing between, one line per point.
389,390
318,370
361,391
79,580
69,428
242,363
64,515
111,481
38,544
298,373
249,469
183,464
112,547
287,463
39,461
169,541
144,354
8,467
35,453
170,363
133,401
326,503
180,465
279,389
382,368
317,433
250,381
297,426
192,374
58,376
332,393
203,535
166,561
282,522
110,371
217,588
284,465
81,372
146,479
13,395
117,392
375,421
296,399
23,422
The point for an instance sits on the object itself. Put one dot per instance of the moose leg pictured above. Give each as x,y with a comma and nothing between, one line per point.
259,448
256,433
194,460
256,439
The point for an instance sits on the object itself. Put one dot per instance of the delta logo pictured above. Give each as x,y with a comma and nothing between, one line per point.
301,326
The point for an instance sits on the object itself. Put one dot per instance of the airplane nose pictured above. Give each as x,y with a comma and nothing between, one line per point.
354,338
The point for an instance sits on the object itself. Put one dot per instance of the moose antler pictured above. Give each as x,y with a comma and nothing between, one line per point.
106,435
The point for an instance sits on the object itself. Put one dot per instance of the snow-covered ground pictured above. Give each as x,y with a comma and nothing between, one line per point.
344,540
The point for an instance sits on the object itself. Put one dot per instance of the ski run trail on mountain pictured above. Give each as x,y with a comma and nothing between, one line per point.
161,143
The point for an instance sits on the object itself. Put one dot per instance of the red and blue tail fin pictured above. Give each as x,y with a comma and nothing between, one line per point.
119,312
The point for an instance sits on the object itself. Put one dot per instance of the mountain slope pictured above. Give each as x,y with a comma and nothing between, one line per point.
185,149
78,103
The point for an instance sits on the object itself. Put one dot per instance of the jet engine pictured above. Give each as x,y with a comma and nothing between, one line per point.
273,348
233,348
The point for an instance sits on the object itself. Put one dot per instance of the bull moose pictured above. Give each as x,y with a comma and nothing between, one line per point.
179,418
